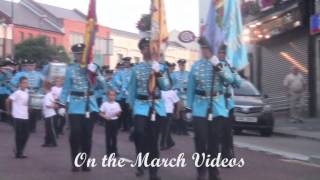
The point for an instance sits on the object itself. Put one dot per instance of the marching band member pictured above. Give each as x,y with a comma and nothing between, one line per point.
36,80
180,84
17,106
202,96
125,76
224,120
148,110
6,73
78,92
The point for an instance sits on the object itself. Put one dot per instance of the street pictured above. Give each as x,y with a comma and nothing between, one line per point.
275,158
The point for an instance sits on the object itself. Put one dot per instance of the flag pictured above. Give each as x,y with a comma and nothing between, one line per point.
159,31
213,31
236,51
90,35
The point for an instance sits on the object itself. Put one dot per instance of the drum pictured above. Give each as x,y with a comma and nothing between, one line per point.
187,116
36,101
56,70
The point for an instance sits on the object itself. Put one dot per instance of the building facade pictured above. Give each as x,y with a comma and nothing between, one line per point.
126,44
279,34
62,27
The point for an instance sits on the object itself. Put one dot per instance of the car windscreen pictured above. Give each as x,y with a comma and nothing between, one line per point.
246,89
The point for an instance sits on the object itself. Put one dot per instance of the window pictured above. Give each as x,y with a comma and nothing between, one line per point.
76,38
54,41
136,59
48,39
120,56
1,48
21,36
100,46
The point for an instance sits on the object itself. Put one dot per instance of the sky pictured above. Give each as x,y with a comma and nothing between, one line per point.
124,14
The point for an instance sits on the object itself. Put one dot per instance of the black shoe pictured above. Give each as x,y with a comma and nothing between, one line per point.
21,156
45,145
139,172
75,169
155,177
86,169
171,146
53,145
185,133
162,148
33,131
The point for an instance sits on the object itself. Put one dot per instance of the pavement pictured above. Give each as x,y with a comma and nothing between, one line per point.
54,163
309,129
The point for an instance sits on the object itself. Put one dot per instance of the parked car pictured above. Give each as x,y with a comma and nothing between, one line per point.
251,111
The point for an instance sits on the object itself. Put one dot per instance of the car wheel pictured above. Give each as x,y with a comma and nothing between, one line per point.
237,131
266,132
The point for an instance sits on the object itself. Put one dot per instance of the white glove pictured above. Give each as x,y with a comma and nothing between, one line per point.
61,111
214,60
92,67
156,66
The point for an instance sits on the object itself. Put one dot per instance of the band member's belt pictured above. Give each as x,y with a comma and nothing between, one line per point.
228,95
206,94
146,98
181,89
75,93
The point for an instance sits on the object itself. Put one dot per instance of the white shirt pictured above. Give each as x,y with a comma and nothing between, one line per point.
170,98
47,102
295,83
20,100
56,91
110,110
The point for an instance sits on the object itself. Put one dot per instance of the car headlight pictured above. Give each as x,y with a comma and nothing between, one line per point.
267,108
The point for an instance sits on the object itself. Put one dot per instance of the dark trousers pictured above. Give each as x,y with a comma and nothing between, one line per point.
21,134
125,117
99,119
60,122
50,136
181,124
229,150
166,138
3,116
146,136
35,115
225,136
80,135
206,141
111,132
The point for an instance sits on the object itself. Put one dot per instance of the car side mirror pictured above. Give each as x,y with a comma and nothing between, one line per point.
266,96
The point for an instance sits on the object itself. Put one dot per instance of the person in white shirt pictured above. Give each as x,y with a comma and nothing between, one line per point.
49,112
110,111
60,120
295,85
17,106
171,100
